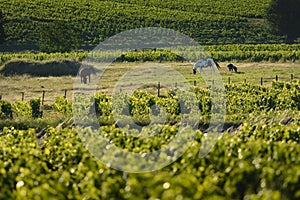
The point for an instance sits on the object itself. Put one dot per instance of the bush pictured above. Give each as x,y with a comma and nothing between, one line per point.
35,108
47,68
6,110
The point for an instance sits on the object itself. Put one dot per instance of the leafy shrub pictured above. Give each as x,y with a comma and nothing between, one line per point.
46,68
35,105
6,110
62,105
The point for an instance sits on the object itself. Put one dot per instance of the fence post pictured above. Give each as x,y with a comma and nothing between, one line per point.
43,97
195,82
0,97
212,83
276,78
261,80
245,80
22,96
158,89
175,84
292,77
228,80
65,93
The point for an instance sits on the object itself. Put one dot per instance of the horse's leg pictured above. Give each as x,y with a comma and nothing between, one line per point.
212,70
201,70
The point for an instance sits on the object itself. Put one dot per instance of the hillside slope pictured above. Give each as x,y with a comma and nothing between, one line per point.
207,21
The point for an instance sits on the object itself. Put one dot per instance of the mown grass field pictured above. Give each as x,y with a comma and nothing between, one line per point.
13,86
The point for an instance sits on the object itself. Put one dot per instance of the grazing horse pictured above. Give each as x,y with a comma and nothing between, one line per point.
204,64
85,74
232,68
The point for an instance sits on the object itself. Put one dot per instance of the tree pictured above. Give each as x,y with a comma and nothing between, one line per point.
2,35
283,17
58,36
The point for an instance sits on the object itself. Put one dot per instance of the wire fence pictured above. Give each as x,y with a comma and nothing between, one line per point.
47,96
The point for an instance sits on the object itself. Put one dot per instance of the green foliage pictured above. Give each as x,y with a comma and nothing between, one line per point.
58,67
90,22
103,105
258,160
2,33
6,111
283,16
255,53
35,105
5,57
249,98
67,63
58,36
63,106
21,109
149,55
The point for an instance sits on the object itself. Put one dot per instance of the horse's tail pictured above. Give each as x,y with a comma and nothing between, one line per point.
217,64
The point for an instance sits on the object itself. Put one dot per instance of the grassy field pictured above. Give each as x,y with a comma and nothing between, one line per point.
13,86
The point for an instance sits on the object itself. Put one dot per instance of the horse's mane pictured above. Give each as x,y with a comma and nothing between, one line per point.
217,64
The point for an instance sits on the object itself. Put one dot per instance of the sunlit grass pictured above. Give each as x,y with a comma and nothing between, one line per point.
12,87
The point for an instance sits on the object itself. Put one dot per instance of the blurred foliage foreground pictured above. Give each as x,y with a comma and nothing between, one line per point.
257,156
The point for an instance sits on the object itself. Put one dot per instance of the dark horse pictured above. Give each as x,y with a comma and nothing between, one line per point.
232,68
85,74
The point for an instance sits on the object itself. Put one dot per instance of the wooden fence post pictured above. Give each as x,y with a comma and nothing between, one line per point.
22,96
176,85
276,78
228,80
43,97
292,77
158,89
65,93
195,82
261,80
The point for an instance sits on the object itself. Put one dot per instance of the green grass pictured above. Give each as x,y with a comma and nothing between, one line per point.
13,86
252,72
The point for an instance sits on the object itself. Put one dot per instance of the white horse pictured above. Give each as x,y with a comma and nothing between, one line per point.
204,64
